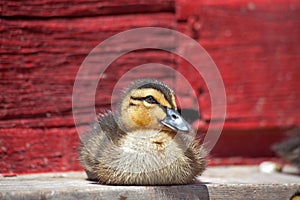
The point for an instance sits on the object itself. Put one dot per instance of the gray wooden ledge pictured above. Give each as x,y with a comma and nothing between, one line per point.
232,182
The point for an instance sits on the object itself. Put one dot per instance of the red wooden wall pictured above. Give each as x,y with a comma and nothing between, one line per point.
254,44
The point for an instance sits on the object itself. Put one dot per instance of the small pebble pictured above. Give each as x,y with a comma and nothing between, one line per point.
269,167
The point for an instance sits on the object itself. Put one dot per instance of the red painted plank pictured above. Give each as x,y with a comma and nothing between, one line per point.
255,48
185,9
37,150
34,100
253,44
32,51
39,62
81,8
248,143
63,35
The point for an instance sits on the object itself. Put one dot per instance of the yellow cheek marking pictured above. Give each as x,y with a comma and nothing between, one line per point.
140,116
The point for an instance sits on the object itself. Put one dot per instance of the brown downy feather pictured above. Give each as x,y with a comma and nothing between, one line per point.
113,153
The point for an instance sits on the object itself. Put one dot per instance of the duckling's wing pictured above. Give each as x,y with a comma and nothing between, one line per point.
103,134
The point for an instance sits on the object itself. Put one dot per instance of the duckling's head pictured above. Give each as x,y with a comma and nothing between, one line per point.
150,104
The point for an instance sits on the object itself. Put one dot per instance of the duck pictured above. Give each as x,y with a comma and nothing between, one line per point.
289,149
144,141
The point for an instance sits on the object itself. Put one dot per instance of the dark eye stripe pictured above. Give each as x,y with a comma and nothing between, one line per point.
148,99
162,89
151,99
132,104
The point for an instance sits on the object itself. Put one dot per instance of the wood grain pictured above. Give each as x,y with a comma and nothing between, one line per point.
254,46
217,183
39,62
38,150
80,8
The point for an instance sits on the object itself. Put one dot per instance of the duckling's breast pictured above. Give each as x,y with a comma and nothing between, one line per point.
149,158
146,151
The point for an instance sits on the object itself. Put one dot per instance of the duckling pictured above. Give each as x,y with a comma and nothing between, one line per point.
289,149
144,142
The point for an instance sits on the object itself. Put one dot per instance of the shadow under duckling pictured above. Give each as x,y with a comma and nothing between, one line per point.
144,142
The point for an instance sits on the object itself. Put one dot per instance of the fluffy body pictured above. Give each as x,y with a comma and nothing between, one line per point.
121,150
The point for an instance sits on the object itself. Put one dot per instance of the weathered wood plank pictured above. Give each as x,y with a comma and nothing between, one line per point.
33,51
80,8
39,62
217,183
31,95
247,143
38,150
255,48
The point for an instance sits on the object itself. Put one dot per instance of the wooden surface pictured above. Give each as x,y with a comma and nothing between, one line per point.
216,183
81,8
254,44
39,62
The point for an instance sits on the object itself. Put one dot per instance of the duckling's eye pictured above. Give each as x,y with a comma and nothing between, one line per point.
150,99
